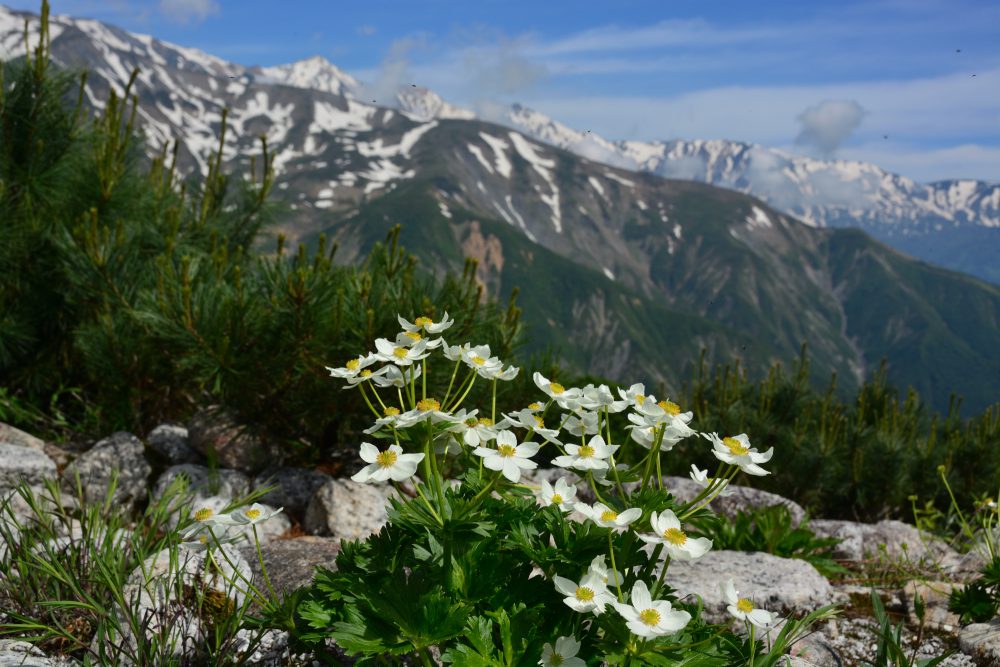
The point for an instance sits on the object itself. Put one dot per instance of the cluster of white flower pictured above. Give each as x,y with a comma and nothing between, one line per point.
197,537
581,434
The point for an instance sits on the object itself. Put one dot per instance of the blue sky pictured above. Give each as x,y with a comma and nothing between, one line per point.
881,81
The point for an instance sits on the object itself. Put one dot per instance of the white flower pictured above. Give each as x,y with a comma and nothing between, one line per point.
563,655
634,395
508,373
668,533
205,519
353,367
426,324
430,408
592,456
610,575
702,479
401,355
562,496
393,376
391,463
478,359
254,514
591,594
411,338
606,517
568,399
743,609
534,423
648,618
473,431
393,419
599,398
737,451
582,423
455,352
509,457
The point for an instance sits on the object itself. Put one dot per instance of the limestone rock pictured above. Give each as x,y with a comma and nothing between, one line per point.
19,463
863,540
295,487
291,563
935,596
743,498
122,451
235,446
204,482
347,510
777,584
18,438
982,641
172,443
16,653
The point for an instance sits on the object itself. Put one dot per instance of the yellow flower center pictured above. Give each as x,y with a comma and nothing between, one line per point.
555,660
584,594
585,452
252,514
640,399
557,499
669,407
744,605
485,421
736,448
203,539
477,360
650,617
204,514
390,411
413,335
400,352
539,422
506,450
675,536
556,388
366,373
387,458
471,421
535,406
423,321
353,364
428,404
609,515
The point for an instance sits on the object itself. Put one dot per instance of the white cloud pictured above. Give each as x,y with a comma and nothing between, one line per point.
188,11
829,124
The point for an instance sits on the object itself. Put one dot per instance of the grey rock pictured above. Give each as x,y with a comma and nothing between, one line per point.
18,438
204,482
865,540
295,487
171,441
235,446
291,564
121,451
982,641
18,463
780,585
935,599
151,593
16,653
346,509
743,498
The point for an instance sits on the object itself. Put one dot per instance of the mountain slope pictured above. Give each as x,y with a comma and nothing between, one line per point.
629,273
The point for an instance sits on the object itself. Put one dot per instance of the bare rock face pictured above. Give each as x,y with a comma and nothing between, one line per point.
291,563
23,654
294,487
204,482
172,442
745,498
19,463
861,540
121,451
15,436
215,430
982,641
348,510
780,585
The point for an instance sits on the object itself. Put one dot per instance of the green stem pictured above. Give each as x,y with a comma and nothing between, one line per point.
451,383
260,559
471,381
493,413
368,402
663,575
423,377
614,568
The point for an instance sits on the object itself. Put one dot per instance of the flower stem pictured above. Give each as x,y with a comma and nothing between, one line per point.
260,559
614,569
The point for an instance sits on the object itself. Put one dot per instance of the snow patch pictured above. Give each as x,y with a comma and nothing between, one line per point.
616,177
758,219
527,150
499,147
594,183
479,156
608,273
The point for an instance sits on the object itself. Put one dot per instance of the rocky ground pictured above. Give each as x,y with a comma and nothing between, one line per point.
320,510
